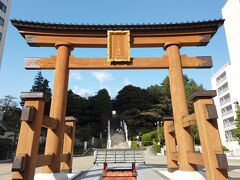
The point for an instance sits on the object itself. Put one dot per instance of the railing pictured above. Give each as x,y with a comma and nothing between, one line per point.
229,122
32,120
227,112
221,80
205,116
225,101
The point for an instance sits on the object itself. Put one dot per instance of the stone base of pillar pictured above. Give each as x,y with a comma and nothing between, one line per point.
51,176
186,175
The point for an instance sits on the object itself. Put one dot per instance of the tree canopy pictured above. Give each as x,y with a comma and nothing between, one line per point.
236,133
133,97
142,108
92,113
40,84
11,113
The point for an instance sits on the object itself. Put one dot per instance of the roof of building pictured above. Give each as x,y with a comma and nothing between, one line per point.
102,27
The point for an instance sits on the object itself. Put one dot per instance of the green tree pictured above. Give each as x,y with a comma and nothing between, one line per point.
41,84
11,118
103,106
11,113
163,96
157,104
236,132
76,104
190,87
133,97
92,113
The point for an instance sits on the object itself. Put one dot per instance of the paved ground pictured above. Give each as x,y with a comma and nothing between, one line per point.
154,164
158,163
80,164
95,173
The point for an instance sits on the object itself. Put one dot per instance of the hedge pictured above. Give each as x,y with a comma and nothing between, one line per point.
148,137
156,147
134,145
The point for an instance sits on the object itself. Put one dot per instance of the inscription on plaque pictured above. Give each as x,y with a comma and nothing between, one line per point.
118,46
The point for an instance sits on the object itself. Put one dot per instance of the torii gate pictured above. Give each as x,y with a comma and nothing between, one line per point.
66,37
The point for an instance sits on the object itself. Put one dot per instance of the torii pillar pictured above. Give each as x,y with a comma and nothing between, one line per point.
54,141
179,106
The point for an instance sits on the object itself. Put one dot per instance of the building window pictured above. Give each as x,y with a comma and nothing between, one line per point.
229,122
223,88
221,78
1,21
227,110
223,100
229,135
3,7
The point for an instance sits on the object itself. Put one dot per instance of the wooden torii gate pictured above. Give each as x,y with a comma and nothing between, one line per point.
66,37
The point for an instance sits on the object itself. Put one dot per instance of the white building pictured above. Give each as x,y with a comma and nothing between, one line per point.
227,79
4,16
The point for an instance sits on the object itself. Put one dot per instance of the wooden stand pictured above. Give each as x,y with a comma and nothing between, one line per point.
29,136
32,119
205,116
170,142
68,144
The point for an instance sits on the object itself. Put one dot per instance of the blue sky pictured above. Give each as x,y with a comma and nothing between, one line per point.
15,79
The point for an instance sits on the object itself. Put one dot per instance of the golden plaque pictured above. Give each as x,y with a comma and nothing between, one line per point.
119,46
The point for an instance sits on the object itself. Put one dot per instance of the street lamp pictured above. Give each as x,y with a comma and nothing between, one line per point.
158,133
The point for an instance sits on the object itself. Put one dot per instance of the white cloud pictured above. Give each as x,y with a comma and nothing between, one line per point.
75,75
102,76
126,82
82,91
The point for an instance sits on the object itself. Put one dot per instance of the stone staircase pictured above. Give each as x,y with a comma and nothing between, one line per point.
118,141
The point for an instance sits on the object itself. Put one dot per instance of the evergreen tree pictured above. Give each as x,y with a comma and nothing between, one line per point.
40,84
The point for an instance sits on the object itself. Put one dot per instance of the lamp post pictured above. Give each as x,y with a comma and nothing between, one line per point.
158,133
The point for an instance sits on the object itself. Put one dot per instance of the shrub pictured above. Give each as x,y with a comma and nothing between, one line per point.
78,149
148,137
134,145
156,147
225,148
5,142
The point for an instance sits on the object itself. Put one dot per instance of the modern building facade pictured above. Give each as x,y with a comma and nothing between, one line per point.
226,79
4,16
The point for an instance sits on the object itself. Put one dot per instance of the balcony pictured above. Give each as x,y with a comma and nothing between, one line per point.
227,110
229,122
221,78
225,99
223,88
